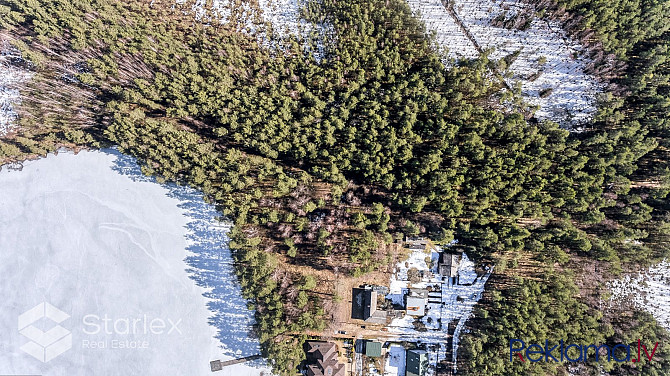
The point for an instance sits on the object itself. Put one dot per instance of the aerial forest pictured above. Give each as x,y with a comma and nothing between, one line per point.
324,153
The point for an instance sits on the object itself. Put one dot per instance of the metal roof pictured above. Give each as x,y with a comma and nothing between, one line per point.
373,349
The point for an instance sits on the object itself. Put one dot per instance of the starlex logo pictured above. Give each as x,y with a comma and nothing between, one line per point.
578,353
44,346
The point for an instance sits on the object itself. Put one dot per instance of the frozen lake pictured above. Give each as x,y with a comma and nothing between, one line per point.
133,277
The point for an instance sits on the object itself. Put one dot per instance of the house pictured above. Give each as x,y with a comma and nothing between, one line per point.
417,363
322,359
364,305
416,243
415,302
373,349
448,266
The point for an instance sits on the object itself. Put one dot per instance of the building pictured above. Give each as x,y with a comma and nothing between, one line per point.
322,359
416,243
373,349
415,302
381,290
448,266
417,363
364,305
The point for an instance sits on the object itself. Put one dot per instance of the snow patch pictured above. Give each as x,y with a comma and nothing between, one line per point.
284,16
10,78
447,32
649,291
549,66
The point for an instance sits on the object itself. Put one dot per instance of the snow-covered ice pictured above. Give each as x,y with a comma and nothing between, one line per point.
90,235
649,290
549,65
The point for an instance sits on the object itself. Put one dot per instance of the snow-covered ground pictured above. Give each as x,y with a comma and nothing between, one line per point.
140,270
549,62
446,302
10,77
284,16
649,291
447,32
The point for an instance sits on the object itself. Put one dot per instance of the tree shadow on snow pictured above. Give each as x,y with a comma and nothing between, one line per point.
209,264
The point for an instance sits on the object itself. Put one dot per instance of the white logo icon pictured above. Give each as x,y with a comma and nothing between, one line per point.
45,346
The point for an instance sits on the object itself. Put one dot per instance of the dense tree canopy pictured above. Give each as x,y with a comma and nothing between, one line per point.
320,161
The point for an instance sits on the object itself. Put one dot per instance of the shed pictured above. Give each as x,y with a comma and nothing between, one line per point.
448,266
416,243
373,349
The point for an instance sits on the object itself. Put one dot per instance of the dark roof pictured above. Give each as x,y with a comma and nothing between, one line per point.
363,303
417,363
448,265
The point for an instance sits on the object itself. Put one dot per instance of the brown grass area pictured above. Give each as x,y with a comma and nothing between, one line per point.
335,288
646,184
591,277
519,264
